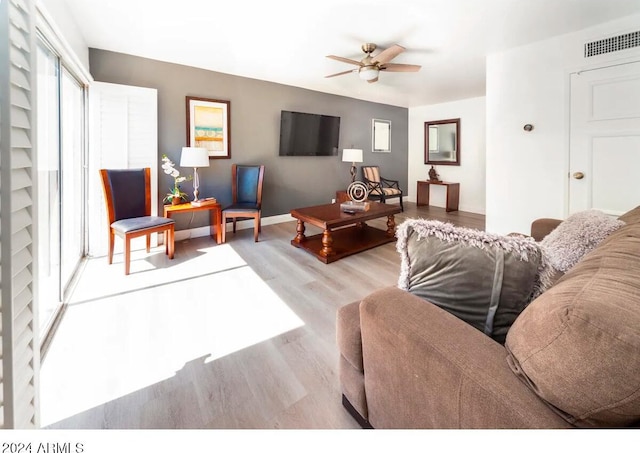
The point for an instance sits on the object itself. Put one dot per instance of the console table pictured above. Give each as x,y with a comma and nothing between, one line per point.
453,193
215,223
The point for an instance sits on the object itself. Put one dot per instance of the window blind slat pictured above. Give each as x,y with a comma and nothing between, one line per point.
22,4
25,416
20,158
20,240
19,59
20,179
20,79
21,219
22,200
23,342
23,299
22,259
18,19
18,38
21,280
20,138
20,118
20,97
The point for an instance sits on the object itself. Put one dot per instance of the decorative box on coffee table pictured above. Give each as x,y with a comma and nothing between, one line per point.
351,207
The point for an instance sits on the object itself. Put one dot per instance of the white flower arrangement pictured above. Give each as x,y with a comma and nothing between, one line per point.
175,193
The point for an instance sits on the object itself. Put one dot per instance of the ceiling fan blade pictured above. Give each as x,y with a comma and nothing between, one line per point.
345,60
388,54
397,67
372,80
341,73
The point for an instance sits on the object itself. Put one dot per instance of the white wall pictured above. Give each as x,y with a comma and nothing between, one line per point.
471,172
527,172
63,21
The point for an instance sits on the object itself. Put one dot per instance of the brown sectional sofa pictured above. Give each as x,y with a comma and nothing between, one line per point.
572,357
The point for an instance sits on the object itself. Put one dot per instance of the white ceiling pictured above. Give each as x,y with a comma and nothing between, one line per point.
286,41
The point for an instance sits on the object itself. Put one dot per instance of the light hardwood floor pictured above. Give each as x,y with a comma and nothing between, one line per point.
240,335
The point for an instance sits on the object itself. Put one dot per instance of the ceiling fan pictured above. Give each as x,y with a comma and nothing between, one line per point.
370,66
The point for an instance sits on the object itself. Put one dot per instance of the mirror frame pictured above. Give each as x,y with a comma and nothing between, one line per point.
456,161
380,136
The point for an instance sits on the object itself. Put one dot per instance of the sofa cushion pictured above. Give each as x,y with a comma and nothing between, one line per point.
577,344
348,334
484,279
632,216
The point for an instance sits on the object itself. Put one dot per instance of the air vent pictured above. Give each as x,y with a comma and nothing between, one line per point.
612,44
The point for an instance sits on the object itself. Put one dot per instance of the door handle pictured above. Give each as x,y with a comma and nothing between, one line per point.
578,175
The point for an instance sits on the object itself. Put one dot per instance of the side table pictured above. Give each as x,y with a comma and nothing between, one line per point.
216,216
453,193
341,196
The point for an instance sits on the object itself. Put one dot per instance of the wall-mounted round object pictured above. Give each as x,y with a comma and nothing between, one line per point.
528,127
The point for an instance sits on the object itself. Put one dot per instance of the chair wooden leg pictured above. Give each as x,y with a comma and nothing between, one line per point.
127,254
256,228
111,243
171,241
260,222
148,243
234,225
401,207
223,228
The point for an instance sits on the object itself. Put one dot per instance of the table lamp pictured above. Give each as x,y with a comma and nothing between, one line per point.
194,157
352,155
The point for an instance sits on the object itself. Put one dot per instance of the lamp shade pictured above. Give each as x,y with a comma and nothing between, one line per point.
351,155
194,157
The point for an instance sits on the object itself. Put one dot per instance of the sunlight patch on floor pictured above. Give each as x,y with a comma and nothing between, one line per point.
121,334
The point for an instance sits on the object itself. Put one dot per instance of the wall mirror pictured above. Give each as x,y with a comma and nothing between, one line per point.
442,142
381,136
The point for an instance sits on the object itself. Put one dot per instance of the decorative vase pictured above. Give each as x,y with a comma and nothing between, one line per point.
175,200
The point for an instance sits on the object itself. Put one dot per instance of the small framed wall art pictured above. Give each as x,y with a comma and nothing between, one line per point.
381,136
208,126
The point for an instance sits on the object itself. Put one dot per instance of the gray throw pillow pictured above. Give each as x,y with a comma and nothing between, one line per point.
570,241
482,278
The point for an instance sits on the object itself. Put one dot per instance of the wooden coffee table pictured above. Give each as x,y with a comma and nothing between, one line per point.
343,234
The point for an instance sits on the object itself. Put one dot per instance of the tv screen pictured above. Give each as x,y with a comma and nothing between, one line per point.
308,134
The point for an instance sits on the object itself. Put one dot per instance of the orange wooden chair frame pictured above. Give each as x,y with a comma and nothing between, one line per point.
169,228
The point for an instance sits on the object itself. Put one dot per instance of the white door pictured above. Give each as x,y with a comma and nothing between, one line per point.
604,155
123,122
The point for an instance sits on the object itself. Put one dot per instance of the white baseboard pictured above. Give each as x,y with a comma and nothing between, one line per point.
181,235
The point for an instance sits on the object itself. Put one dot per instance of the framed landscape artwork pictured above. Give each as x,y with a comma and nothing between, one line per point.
208,126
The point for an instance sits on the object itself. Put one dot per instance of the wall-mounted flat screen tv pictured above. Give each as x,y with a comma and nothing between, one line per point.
308,134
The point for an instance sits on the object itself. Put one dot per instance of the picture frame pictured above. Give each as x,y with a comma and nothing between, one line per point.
380,136
209,126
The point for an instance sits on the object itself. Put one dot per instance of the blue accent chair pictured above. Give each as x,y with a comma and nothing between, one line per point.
246,193
127,194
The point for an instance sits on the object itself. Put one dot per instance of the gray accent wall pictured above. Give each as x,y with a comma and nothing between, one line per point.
290,182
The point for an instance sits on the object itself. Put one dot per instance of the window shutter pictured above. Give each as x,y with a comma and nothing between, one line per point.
19,356
123,122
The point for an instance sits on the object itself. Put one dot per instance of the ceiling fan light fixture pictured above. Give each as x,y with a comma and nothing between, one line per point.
368,72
